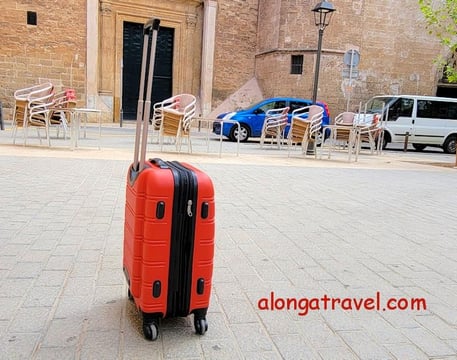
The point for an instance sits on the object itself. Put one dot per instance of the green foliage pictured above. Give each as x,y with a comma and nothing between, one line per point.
441,18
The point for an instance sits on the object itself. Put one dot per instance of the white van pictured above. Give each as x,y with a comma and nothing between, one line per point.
428,120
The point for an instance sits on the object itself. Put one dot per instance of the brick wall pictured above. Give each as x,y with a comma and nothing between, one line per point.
236,42
54,49
396,51
254,38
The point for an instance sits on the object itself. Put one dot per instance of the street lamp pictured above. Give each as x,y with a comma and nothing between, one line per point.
322,15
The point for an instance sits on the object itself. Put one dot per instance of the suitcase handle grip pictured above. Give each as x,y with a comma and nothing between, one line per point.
160,163
152,24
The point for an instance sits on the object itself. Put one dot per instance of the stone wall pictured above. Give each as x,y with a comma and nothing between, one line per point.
54,49
395,49
236,43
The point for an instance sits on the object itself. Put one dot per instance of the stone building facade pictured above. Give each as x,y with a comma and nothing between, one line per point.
227,52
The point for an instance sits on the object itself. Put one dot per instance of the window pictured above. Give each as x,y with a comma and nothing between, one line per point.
271,105
436,109
402,107
294,105
31,18
296,66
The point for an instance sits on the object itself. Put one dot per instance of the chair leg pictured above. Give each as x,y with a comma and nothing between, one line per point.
48,137
39,135
190,144
161,142
26,130
14,132
304,145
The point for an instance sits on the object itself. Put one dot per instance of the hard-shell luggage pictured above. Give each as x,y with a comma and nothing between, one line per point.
169,227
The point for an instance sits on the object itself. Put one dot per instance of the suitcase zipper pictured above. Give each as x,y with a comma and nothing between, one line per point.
182,240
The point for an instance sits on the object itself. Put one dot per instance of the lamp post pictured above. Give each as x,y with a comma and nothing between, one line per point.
322,15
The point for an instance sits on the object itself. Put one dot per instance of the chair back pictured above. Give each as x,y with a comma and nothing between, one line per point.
22,97
306,122
275,120
176,114
345,118
315,116
299,129
35,91
38,110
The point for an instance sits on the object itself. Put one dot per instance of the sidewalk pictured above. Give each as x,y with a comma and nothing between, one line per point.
287,228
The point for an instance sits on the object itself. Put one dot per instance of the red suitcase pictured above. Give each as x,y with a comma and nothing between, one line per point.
169,228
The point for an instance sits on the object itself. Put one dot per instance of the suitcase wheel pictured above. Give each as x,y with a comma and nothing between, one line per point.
150,331
201,325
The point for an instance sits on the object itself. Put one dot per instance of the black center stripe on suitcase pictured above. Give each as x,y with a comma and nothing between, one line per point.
182,240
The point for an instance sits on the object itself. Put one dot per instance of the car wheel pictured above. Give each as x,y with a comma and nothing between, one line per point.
419,147
242,134
449,144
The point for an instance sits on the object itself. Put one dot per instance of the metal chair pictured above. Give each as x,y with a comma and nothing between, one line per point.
22,98
176,116
60,115
38,116
274,125
305,128
344,133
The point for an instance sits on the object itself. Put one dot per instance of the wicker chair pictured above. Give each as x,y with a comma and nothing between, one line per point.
305,128
343,133
176,116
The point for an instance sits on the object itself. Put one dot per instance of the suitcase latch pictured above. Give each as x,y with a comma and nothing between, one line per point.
189,208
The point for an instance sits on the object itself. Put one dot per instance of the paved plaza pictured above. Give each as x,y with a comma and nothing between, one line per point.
290,232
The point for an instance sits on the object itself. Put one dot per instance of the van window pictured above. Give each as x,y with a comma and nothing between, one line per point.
436,109
401,107
375,105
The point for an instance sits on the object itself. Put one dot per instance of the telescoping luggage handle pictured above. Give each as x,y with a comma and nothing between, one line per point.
151,28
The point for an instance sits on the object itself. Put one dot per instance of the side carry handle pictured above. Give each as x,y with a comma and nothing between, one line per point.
160,163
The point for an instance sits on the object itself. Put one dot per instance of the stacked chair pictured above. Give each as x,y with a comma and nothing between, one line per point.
40,107
274,126
173,118
305,128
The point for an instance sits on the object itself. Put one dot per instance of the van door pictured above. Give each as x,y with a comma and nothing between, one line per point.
430,122
400,119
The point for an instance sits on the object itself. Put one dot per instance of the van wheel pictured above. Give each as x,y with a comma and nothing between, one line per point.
419,147
449,144
385,140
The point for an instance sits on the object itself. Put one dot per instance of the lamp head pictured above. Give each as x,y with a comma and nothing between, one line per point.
323,13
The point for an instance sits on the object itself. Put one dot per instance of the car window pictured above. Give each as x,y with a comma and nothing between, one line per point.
271,105
294,105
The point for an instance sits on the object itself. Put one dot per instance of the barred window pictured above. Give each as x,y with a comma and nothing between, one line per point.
296,66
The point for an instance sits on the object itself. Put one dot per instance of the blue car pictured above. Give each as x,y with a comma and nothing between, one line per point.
251,119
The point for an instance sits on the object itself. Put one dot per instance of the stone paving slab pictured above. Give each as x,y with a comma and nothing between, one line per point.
289,227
